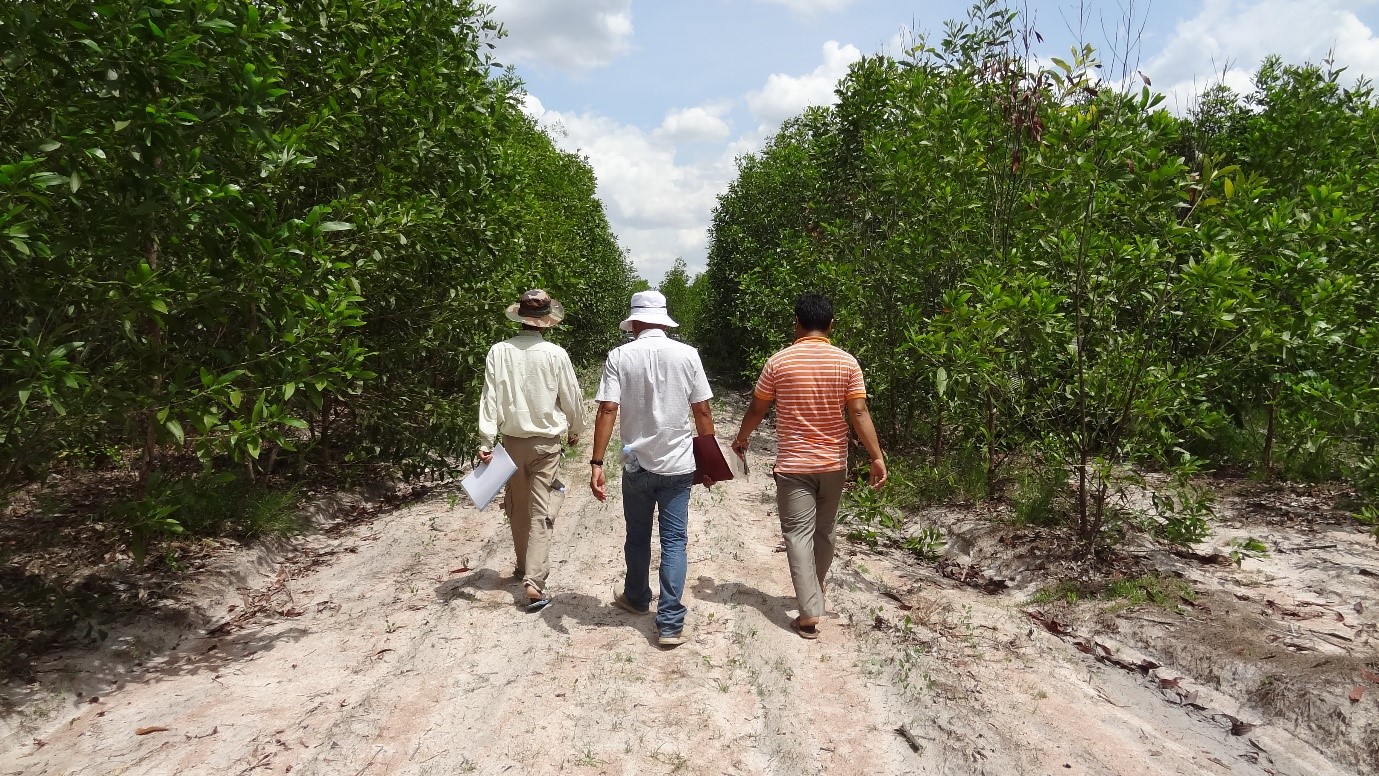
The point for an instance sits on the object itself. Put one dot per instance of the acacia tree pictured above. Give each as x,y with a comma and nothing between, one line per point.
1032,268
233,229
683,296
1302,373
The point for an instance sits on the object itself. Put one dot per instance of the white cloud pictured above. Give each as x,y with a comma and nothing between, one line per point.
658,206
1227,39
704,123
574,35
810,7
784,95
658,202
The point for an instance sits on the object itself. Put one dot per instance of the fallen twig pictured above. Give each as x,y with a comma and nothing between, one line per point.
911,739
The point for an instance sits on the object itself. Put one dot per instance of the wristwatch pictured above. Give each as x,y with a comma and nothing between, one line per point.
595,461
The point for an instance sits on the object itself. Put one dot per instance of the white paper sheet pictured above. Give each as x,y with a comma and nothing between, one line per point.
736,464
487,479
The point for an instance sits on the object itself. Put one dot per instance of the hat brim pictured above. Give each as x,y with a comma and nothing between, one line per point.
556,315
655,319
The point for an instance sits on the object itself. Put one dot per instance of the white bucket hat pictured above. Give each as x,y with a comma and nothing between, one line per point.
648,307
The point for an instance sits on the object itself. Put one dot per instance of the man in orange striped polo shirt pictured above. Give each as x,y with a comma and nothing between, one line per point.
814,386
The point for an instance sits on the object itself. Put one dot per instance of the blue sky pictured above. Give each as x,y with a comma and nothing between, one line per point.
662,96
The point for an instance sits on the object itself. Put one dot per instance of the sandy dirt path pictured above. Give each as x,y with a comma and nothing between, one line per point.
393,662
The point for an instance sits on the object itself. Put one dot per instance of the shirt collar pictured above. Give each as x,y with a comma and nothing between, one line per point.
651,333
812,338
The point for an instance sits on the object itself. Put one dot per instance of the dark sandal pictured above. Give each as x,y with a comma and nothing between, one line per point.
805,631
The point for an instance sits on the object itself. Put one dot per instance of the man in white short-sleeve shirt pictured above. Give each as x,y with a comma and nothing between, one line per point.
657,383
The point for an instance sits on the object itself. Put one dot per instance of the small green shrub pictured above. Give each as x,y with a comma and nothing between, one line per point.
145,520
208,505
1035,498
1152,589
1369,516
1183,507
927,545
868,514
1364,476
1067,592
875,517
960,475
1247,548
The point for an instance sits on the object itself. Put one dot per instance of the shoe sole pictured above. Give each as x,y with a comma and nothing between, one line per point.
673,641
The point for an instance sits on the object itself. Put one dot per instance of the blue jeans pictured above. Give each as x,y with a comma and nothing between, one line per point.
642,493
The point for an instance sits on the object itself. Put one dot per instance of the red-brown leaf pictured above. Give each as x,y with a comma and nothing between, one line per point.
1357,693
143,731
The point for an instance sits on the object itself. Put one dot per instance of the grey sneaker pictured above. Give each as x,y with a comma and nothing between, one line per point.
620,601
674,639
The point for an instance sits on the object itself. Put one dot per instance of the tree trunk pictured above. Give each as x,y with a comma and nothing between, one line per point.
1267,457
938,435
155,348
990,444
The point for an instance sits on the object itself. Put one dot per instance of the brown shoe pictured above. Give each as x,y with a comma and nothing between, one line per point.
620,601
674,639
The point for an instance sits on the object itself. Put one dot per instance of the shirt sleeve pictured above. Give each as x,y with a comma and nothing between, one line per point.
488,403
571,398
857,387
698,381
609,389
766,383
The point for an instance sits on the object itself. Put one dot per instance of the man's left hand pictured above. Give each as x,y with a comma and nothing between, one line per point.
877,477
485,455
596,483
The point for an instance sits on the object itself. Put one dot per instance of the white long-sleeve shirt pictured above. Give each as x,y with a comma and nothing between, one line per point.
530,390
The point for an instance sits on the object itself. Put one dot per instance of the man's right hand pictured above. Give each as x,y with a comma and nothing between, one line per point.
596,483
485,455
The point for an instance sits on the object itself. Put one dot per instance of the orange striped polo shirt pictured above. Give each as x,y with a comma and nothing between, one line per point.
811,382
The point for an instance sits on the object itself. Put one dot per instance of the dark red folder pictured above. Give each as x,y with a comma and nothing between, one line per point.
709,464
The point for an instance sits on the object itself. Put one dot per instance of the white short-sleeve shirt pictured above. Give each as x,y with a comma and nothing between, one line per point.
654,380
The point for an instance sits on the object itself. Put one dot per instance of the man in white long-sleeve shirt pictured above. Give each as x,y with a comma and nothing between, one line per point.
532,399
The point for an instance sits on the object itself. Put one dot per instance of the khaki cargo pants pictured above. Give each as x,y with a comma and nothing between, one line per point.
532,500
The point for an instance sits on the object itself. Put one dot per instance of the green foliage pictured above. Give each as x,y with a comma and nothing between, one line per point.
957,477
1183,506
1153,590
1160,591
250,232
1369,516
875,517
1250,548
868,515
927,545
1036,497
209,505
684,296
1035,264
